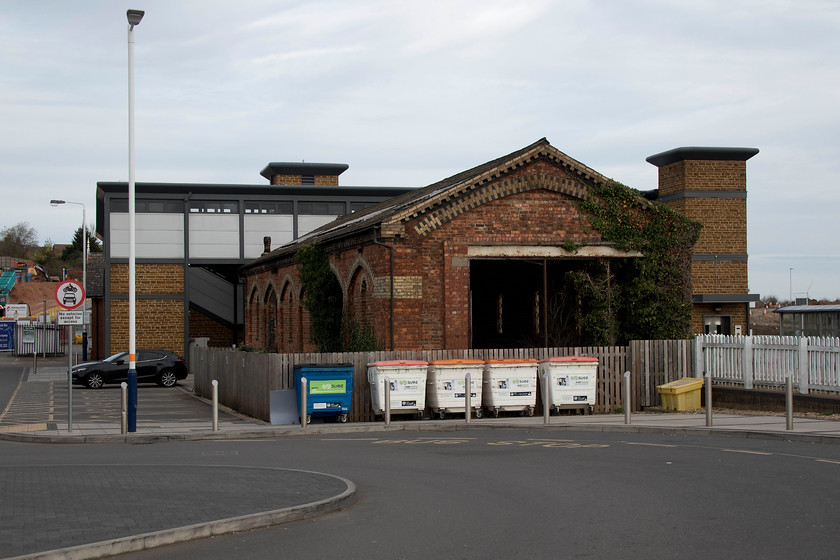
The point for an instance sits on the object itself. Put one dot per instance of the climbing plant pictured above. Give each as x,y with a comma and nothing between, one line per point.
321,297
640,298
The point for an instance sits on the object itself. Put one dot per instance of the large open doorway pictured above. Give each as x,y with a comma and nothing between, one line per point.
525,303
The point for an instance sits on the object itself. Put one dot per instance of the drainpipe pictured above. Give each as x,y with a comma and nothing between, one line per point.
391,254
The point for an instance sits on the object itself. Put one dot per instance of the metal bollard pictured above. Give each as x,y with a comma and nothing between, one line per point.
708,399
303,402
467,398
626,397
124,408
387,392
789,402
215,405
34,363
546,407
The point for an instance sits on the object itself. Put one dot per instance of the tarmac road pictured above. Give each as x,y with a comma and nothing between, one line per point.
583,486
510,493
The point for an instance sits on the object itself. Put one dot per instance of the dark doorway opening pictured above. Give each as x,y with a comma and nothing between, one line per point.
526,303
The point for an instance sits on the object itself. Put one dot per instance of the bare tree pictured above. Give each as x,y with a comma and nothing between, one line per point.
18,241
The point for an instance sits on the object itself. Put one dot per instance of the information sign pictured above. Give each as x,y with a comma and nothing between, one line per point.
71,317
7,336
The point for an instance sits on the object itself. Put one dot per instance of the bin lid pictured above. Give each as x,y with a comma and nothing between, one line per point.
399,363
513,361
571,359
456,362
679,386
323,366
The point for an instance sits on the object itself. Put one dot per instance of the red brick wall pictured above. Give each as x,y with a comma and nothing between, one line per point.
431,272
201,325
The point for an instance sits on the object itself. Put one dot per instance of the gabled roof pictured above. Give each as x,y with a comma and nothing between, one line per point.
391,215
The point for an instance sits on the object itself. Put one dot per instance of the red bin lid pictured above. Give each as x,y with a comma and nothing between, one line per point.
457,362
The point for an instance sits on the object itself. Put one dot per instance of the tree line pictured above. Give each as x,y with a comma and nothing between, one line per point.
20,241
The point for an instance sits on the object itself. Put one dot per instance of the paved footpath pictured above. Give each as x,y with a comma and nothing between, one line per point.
34,416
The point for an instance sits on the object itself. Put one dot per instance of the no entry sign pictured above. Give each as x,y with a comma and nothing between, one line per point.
70,294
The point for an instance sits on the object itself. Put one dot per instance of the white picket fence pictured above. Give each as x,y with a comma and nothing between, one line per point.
766,361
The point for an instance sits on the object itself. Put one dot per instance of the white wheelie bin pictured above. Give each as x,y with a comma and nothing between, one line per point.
571,382
445,386
510,385
407,386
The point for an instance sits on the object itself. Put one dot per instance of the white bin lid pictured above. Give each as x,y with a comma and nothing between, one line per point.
386,363
571,359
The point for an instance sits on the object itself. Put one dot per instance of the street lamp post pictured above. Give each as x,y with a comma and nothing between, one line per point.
790,285
134,17
55,202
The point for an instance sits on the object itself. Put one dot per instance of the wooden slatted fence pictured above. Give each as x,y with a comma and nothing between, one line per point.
247,378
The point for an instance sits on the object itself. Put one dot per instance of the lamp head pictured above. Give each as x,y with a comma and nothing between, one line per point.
56,202
134,16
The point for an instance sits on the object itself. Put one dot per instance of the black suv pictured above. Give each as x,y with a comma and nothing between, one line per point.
160,366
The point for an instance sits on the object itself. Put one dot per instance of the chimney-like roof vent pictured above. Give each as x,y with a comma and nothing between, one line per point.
302,169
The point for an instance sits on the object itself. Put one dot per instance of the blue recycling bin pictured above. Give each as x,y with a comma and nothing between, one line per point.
329,389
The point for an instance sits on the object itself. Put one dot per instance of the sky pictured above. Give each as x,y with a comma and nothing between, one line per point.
408,93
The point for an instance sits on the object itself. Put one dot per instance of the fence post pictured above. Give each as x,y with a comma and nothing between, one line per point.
467,398
387,393
789,401
626,397
747,362
124,408
804,381
215,405
698,356
303,402
708,399
546,408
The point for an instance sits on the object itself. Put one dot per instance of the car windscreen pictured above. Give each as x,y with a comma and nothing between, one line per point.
116,357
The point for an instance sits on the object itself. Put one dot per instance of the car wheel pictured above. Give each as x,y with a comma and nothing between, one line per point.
94,380
167,378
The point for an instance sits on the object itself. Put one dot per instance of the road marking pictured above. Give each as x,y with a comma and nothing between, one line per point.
22,428
745,451
555,443
350,439
828,461
425,441
650,444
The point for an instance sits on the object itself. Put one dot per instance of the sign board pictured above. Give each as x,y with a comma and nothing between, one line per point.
17,311
7,336
71,317
28,335
70,294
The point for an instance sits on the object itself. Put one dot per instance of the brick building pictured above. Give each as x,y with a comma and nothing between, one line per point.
191,239
472,261
709,185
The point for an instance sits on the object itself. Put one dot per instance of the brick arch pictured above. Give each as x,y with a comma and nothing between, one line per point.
359,263
289,327
253,312
497,190
359,300
270,318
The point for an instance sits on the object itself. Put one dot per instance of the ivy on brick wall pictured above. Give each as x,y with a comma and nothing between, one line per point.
321,297
645,298
331,331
